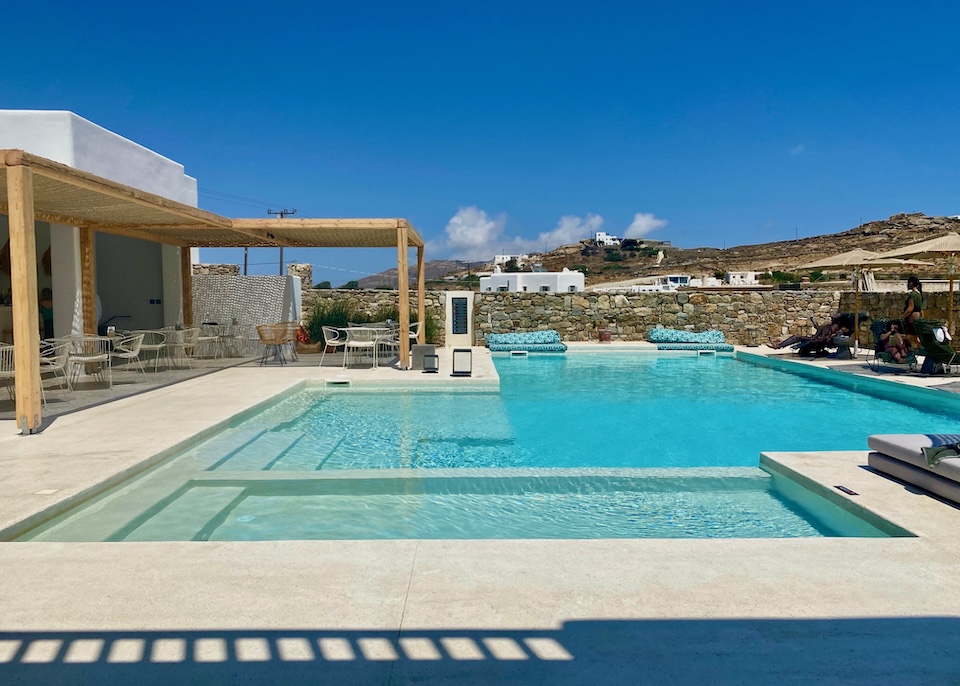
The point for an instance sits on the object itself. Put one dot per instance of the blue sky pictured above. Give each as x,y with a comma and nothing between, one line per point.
510,126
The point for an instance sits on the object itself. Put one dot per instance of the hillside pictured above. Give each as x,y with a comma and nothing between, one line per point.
878,236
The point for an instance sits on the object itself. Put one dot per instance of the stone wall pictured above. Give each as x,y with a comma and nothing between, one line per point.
370,301
221,269
629,316
302,271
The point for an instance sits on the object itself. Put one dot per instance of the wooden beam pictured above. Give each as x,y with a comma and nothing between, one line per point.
421,297
88,280
267,235
80,179
186,283
23,283
403,286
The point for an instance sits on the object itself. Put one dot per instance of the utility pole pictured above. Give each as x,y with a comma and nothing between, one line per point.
281,214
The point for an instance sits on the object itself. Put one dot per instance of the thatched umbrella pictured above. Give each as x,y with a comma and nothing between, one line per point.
947,244
858,258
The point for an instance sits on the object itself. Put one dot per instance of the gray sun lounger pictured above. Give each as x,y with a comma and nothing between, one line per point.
902,456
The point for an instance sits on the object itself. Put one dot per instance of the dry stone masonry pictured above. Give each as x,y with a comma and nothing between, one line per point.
743,316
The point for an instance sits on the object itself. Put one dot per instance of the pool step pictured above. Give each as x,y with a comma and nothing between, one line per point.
262,452
186,517
210,454
311,454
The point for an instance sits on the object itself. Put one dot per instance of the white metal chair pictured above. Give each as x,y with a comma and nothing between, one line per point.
332,338
180,344
54,360
128,348
92,354
155,342
208,341
7,374
359,339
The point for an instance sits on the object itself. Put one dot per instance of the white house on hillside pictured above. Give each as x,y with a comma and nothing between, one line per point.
542,282
501,260
603,238
741,278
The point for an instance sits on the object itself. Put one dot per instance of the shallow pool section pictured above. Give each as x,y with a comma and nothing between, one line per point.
705,503
575,446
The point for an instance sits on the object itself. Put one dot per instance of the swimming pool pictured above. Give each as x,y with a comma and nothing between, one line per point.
572,446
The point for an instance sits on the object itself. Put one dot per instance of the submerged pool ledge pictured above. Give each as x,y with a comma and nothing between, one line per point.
876,386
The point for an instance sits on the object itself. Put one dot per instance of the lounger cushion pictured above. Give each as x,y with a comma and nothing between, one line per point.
529,347
522,337
545,341
679,336
907,448
719,347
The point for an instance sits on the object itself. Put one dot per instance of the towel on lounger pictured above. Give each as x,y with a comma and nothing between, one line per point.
940,452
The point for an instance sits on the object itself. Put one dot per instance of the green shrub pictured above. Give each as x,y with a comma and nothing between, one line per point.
327,312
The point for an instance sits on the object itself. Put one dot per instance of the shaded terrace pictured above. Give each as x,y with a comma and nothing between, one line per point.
35,188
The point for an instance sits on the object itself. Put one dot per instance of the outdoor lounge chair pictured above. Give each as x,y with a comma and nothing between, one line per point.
880,357
332,338
936,346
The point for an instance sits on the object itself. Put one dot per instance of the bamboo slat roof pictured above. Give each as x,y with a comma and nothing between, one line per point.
69,196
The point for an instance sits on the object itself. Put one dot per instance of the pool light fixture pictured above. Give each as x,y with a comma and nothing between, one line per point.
462,362
431,364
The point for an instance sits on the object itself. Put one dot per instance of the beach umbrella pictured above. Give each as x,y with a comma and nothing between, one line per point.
858,258
947,244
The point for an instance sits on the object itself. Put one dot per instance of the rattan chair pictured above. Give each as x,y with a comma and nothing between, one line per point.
273,338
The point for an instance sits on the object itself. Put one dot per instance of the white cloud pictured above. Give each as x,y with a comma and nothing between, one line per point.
472,235
642,224
798,149
570,229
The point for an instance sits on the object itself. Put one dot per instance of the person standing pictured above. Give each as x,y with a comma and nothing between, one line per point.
912,311
46,312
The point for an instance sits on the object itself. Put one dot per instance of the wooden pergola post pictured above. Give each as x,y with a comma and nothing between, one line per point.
186,283
23,283
421,297
88,281
403,286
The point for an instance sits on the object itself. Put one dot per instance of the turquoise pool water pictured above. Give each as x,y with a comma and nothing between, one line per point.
575,446
577,411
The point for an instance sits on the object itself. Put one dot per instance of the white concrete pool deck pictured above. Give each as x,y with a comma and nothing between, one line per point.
753,611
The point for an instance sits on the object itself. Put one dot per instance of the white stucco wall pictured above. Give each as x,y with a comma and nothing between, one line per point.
532,282
72,140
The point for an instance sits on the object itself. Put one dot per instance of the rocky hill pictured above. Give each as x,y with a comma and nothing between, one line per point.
879,236
434,269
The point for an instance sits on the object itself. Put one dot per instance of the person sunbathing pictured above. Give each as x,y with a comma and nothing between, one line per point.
894,343
821,337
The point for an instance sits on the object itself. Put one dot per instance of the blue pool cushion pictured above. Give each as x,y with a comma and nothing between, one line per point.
545,341
719,347
681,336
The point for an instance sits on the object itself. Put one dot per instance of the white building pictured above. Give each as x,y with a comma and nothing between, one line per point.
542,282
741,278
138,282
603,238
501,260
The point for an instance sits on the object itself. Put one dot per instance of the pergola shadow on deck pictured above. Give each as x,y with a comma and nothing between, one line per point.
36,188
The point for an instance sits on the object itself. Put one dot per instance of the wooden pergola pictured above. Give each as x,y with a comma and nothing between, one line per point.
36,188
